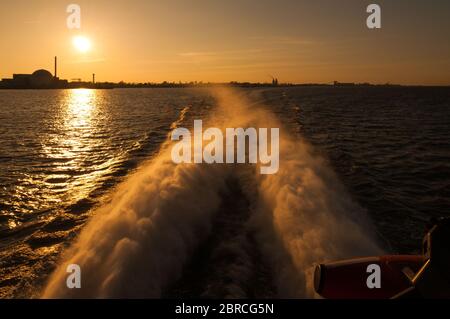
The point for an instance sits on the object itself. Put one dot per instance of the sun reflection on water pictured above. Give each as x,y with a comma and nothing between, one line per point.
80,107
71,145
63,151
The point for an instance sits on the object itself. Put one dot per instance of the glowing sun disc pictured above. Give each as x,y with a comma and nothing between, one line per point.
82,44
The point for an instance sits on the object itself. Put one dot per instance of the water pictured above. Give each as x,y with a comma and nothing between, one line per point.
390,146
65,153
61,147
61,151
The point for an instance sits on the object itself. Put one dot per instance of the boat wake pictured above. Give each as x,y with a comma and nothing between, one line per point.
218,230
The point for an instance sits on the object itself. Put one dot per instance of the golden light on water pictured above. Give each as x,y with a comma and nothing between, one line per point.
77,121
68,155
81,103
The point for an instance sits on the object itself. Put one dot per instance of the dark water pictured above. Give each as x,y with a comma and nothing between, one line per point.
62,153
390,146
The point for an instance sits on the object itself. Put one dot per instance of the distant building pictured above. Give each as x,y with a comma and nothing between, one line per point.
336,83
40,79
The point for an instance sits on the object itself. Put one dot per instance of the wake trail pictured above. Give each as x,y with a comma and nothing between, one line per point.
138,243
301,215
211,230
228,264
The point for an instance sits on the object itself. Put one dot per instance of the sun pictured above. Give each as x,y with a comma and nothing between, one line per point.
82,43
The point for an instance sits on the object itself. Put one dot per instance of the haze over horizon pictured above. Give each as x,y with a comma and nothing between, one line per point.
221,41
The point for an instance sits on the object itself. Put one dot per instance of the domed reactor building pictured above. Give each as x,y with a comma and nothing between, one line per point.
40,79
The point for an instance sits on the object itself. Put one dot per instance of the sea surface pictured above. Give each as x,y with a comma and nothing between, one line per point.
63,153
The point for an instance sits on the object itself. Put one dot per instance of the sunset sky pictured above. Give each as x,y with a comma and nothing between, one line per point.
219,41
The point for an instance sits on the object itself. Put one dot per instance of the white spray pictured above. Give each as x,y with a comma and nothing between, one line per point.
137,245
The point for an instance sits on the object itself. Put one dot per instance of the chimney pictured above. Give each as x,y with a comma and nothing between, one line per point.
56,66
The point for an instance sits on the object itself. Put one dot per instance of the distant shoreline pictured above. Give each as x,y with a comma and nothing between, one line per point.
123,85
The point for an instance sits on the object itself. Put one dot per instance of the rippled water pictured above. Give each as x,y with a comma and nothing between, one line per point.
63,151
63,147
390,146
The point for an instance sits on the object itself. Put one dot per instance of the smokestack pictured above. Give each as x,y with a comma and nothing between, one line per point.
56,66
93,78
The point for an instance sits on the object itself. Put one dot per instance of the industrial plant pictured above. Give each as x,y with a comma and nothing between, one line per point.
40,79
